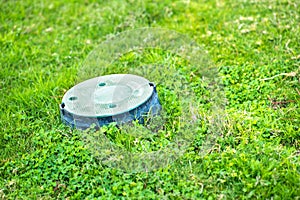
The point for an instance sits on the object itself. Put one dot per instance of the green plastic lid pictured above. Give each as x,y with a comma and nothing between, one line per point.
107,95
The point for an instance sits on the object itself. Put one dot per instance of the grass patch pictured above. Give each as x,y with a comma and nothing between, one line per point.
43,44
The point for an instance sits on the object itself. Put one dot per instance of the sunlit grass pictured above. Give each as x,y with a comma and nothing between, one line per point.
43,44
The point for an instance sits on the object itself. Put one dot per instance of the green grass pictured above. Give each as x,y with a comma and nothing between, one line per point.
44,43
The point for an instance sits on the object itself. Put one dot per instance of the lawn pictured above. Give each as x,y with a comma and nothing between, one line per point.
254,44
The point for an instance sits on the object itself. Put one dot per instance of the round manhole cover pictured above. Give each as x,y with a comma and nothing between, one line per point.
102,100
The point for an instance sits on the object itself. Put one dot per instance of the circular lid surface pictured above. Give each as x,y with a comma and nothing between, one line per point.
107,95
